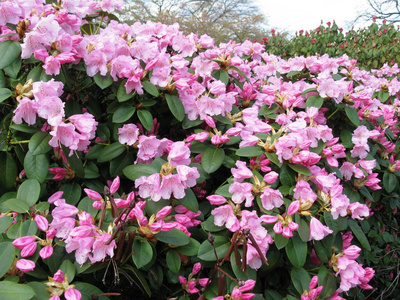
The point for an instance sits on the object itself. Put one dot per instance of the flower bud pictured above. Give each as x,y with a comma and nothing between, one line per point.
114,186
25,265
41,222
59,276
22,242
93,194
29,250
46,252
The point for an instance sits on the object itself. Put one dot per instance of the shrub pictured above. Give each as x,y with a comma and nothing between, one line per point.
136,154
372,47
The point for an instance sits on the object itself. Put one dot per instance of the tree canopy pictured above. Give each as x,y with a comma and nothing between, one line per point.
223,20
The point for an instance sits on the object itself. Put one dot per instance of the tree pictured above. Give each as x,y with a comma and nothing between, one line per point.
223,20
388,10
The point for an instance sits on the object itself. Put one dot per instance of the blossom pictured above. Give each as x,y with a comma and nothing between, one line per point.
25,265
317,230
224,215
128,134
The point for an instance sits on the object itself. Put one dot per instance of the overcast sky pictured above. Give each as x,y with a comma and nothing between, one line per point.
294,15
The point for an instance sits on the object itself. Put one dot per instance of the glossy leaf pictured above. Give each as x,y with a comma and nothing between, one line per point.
36,166
174,237
39,143
123,113
206,251
189,200
9,170
15,291
9,52
145,118
103,81
173,261
134,172
5,94
7,254
29,191
212,159
359,234
300,279
390,181
326,279
150,88
296,250
175,106
110,152
352,115
122,96
249,151
143,253
69,269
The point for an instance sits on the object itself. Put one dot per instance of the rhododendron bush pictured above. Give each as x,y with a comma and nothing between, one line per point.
136,155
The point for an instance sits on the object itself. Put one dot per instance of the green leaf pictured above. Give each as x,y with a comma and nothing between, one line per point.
75,162
7,255
142,284
28,228
300,169
287,176
122,96
29,191
8,166
94,152
110,152
5,94
189,249
300,279
224,76
69,269
389,181
42,206
17,205
280,241
13,69
206,251
175,106
9,52
209,226
145,118
249,274
134,172
296,250
355,228
123,113
143,253
352,115
103,81
249,151
304,231
212,159
327,280
72,192
36,166
118,164
314,101
174,237
89,291
345,137
240,73
330,222
274,158
40,289
272,295
173,261
2,80
189,200
14,291
5,222
150,88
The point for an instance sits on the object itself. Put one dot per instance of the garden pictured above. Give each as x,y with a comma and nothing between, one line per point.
139,162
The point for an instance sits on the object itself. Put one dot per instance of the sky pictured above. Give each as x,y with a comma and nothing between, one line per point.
294,15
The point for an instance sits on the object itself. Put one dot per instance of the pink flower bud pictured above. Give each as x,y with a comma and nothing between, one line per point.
293,226
352,252
286,232
72,294
59,276
268,219
271,177
131,196
234,131
25,265
196,268
216,199
22,242
210,121
97,204
165,211
29,250
248,285
313,282
278,228
203,281
51,233
182,280
114,186
41,222
55,297
56,196
315,293
293,207
202,136
46,252
93,194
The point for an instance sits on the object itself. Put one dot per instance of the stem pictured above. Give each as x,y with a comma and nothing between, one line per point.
337,109
18,142
101,21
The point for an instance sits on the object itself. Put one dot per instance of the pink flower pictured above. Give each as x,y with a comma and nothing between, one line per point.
115,185
241,192
72,294
216,199
317,230
128,134
358,210
29,250
100,249
271,198
242,172
179,154
22,242
25,265
225,215
26,110
93,194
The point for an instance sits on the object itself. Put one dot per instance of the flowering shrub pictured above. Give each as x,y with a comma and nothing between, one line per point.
372,46
136,154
